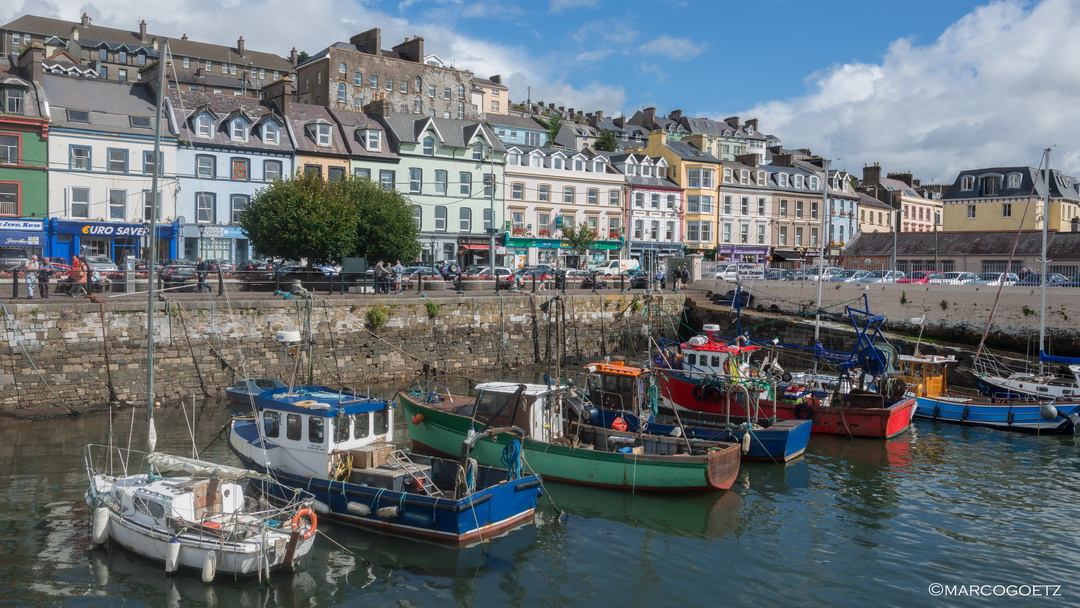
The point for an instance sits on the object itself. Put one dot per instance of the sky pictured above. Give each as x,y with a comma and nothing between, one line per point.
927,86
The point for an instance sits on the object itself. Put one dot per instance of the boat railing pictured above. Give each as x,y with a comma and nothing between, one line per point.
114,460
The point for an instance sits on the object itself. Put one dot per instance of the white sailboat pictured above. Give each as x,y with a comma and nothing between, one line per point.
997,382
186,512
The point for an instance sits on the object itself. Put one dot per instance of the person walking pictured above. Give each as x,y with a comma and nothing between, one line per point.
200,270
685,276
30,272
79,272
660,277
543,282
399,276
43,274
381,276
676,277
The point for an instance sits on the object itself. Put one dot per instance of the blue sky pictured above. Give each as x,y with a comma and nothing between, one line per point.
931,87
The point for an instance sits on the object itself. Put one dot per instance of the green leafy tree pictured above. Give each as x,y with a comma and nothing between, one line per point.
553,125
580,238
385,227
605,140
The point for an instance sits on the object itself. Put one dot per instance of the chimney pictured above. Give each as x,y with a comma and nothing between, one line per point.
497,79
75,31
240,46
747,159
85,20
675,115
29,61
657,138
752,123
184,37
293,56
871,175
142,30
650,118
733,121
904,176
411,50
369,41
379,107
281,92
782,160
619,121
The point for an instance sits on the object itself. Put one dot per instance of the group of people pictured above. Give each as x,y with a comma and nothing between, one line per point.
38,274
389,276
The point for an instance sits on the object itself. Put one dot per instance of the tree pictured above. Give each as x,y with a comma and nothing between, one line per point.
307,217
553,125
580,238
301,57
605,141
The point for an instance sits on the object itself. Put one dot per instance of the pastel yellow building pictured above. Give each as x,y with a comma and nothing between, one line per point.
695,170
1011,199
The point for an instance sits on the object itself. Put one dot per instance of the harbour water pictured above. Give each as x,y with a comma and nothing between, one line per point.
852,523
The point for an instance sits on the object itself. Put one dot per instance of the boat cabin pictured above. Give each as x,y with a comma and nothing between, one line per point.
531,407
708,356
616,386
926,370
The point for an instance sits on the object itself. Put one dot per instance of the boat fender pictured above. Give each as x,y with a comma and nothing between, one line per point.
745,443
305,529
359,508
388,512
1010,418
417,418
786,377
699,393
803,411
919,391
320,507
101,525
420,519
964,416
676,431
305,403
1048,411
618,424
209,567
172,556
937,409
714,394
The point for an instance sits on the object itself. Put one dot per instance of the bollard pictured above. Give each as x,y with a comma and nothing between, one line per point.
622,283
220,282
534,283
15,284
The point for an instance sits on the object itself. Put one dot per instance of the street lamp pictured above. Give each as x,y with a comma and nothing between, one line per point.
202,233
146,242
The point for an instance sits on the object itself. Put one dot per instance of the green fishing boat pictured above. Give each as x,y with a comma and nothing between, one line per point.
557,445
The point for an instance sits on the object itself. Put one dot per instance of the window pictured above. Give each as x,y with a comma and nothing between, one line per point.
387,179
342,92
335,174
139,122
321,135
237,203
318,75
639,199
494,105
614,198
9,149
783,207
203,125
271,132
271,423
238,129
417,105
489,223
316,430
205,203
971,212
372,140
798,181
465,219
813,183
568,194
149,164
416,180
814,236
460,110
798,208
440,218
783,235
489,184
592,194
122,58
446,93
209,66
271,170
782,179
967,182
417,214
341,68
744,205
78,116
418,84
362,173
79,158
639,229
466,183
761,234
205,167
517,190
1006,210
389,84
761,206
744,233
149,204
361,425
80,202
699,231
1014,180
671,202
543,193
429,146
431,90
13,101
461,91
117,204
117,162
358,79
700,178
798,236
725,232
991,185
655,199
373,81
669,232
814,210
478,151
121,75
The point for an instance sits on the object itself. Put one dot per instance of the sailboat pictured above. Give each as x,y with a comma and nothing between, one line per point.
999,383
185,512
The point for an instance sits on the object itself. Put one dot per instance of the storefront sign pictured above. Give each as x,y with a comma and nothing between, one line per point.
109,230
22,233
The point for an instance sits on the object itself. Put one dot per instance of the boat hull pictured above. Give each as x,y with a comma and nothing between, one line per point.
1024,416
487,512
439,431
870,422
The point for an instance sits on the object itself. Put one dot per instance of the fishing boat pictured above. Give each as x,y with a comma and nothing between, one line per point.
707,374
559,447
243,391
997,381
339,446
940,402
186,512
628,395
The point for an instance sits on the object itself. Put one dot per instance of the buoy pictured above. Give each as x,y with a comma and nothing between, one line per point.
618,424
919,391
101,525
320,507
388,512
305,530
1048,411
676,431
209,567
746,443
172,556
417,418
359,508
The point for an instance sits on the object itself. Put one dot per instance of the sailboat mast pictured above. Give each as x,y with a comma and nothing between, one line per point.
1045,224
821,258
151,260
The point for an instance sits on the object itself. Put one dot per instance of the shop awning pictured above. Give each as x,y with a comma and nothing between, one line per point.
474,246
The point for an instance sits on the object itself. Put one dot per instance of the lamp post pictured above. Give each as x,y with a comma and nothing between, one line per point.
202,233
937,221
146,242
896,230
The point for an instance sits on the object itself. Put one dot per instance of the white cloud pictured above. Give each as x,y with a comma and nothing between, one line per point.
675,48
993,90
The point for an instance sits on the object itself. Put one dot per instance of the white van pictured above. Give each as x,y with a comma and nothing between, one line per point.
614,267
744,270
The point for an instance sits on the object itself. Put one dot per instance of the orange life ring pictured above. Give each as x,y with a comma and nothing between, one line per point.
417,418
294,523
618,424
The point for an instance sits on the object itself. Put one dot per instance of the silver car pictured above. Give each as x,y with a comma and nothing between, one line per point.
996,278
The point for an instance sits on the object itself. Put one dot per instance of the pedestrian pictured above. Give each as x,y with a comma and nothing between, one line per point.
685,276
543,281
660,276
676,276
399,276
43,274
200,270
30,272
78,278
382,278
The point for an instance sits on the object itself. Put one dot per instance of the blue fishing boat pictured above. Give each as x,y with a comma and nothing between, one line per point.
625,398
339,447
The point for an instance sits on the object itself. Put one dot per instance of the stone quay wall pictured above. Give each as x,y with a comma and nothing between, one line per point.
59,358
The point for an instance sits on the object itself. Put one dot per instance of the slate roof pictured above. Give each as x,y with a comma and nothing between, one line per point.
1032,184
489,83
516,122
456,133
866,201
692,153
353,122
1061,246
619,158
300,116
183,106
110,104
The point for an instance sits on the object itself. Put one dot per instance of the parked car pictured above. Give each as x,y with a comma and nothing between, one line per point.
177,274
996,278
637,279
921,277
742,270
537,269
780,274
954,278
1034,279
843,276
102,263
258,275
811,273
859,274
614,267
502,275
1073,282
11,259
883,276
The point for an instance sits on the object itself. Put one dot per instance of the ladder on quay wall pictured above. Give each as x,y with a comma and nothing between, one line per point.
401,459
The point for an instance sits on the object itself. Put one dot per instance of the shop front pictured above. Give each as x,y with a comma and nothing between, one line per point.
215,243
24,236
557,253
741,253
116,240
474,251
651,254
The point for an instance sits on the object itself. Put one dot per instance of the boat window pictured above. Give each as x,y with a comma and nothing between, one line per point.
271,423
716,360
266,383
316,429
293,426
149,507
691,359
1043,389
341,429
380,420
361,425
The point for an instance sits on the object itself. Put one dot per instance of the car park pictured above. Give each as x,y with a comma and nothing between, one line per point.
996,278
1034,279
954,278
882,276
921,277
810,273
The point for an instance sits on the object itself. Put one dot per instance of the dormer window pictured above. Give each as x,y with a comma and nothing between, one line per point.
204,125
1014,180
12,101
556,163
813,185
598,166
579,165
478,150
513,159
372,140
320,133
429,146
967,182
781,179
272,132
798,181
646,171
238,129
